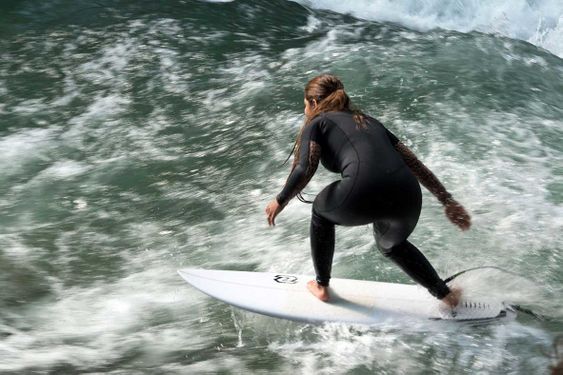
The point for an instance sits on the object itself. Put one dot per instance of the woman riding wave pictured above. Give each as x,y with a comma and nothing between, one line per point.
379,185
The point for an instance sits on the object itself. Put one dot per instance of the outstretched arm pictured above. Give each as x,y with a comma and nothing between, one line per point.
454,211
303,169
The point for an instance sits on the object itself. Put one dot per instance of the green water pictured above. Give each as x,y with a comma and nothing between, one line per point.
138,138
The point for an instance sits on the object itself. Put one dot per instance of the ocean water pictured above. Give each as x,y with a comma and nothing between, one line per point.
137,138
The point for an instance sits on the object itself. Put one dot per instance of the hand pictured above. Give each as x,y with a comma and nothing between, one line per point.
272,210
457,214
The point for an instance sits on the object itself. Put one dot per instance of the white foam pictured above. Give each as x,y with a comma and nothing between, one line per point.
401,347
109,316
24,146
538,22
313,24
110,65
65,169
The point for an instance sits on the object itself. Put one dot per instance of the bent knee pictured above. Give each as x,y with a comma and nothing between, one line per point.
385,247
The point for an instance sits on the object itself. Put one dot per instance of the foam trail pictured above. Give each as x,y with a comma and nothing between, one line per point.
537,22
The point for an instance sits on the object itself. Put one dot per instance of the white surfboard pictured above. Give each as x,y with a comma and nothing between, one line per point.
352,301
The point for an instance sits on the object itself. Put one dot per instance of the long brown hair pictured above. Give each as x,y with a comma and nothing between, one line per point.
328,92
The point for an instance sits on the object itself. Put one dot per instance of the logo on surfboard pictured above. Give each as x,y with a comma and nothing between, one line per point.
285,279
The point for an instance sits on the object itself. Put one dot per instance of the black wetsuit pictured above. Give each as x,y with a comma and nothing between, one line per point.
376,187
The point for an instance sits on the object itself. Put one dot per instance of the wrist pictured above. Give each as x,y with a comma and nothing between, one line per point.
446,198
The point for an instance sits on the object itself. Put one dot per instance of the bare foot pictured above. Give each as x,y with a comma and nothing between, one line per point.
319,291
452,298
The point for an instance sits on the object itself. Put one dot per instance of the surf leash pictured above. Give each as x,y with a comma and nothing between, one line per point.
447,280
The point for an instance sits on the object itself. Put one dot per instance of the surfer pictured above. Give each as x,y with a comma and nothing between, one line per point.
379,185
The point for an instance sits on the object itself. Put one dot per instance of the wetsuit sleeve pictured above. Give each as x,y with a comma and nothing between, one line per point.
305,166
423,174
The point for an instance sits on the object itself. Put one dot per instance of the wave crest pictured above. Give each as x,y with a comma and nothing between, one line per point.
538,22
